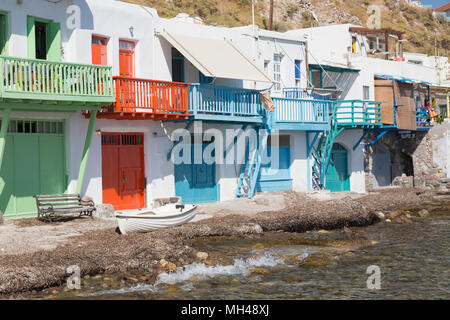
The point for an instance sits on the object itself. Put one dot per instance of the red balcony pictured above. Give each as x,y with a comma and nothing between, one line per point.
147,99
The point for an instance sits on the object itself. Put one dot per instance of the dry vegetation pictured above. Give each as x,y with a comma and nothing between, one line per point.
425,33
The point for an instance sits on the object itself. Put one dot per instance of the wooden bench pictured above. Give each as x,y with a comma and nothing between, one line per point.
50,205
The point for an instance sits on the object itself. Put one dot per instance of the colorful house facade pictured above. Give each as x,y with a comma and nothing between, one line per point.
103,98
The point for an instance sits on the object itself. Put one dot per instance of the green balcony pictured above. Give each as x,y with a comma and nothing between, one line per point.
41,82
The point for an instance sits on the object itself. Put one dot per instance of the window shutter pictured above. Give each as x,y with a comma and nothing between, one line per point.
31,38
54,38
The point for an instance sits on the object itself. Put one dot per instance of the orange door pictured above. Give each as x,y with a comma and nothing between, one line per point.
126,58
99,51
126,69
123,168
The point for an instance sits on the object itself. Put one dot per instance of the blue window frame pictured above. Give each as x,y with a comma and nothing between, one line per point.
298,64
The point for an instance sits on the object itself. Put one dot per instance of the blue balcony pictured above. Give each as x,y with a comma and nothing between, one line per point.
300,114
216,103
422,119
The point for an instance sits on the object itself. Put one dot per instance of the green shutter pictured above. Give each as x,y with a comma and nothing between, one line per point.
31,38
54,40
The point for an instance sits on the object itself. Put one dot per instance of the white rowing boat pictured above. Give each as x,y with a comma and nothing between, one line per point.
144,220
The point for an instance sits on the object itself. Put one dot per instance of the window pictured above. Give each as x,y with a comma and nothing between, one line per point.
297,72
41,40
99,50
354,44
277,72
266,66
126,58
366,93
177,66
316,78
3,33
44,39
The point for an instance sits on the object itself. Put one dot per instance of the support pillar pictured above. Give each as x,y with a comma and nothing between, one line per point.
3,132
87,147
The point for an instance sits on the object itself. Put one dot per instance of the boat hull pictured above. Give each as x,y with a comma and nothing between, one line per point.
163,217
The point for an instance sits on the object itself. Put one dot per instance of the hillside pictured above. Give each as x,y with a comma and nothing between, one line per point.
425,33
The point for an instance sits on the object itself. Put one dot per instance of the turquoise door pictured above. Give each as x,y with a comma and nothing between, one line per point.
337,178
196,183
273,176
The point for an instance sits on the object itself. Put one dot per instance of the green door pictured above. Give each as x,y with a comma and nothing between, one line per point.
337,178
34,163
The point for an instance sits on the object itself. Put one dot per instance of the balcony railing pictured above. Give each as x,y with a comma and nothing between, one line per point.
357,113
422,118
161,99
300,114
31,79
224,103
297,93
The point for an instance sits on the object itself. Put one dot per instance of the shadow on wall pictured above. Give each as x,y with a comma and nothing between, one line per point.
397,161
344,80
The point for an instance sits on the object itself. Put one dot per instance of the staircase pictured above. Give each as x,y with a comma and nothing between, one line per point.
322,154
250,169
316,174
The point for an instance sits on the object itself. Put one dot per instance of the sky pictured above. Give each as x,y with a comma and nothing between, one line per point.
435,3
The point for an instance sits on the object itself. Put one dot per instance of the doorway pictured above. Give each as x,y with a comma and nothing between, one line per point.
337,177
123,170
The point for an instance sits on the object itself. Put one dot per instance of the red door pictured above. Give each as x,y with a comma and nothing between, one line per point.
126,58
99,51
123,167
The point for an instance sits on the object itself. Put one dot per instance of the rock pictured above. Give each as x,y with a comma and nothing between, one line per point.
1,217
314,261
202,255
423,213
103,211
258,270
380,215
258,228
163,263
258,247
388,220
171,266
348,254
395,214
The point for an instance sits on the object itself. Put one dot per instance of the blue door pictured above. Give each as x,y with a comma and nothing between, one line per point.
337,178
276,177
196,183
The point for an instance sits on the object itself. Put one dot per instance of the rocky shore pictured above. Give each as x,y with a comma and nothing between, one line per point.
105,251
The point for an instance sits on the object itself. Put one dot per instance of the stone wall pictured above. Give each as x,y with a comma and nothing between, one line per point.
411,157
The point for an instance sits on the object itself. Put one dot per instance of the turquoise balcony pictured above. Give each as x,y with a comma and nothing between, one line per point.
300,114
208,102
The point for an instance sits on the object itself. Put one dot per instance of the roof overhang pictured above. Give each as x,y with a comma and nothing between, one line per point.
218,58
333,68
402,79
